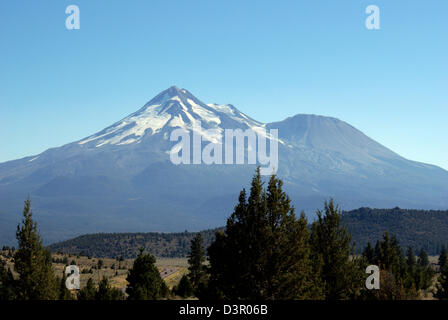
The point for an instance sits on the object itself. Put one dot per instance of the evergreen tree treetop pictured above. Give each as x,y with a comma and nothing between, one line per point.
144,281
331,251
196,260
7,283
410,258
88,292
423,259
369,253
33,262
443,257
442,285
107,292
264,251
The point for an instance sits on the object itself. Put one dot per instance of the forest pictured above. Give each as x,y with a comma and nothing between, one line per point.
265,252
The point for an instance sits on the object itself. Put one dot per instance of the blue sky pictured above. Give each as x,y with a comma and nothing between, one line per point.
271,59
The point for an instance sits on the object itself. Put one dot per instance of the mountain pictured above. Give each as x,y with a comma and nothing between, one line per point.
121,179
126,245
330,157
172,108
419,229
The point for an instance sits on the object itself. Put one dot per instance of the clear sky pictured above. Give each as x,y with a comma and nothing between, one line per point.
271,59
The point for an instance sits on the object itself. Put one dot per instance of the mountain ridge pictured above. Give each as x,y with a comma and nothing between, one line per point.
416,228
121,178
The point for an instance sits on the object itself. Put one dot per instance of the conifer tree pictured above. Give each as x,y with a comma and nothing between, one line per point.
423,258
425,272
264,251
389,253
369,253
184,288
442,286
33,262
331,244
144,281
401,277
88,292
107,292
378,252
64,293
196,262
7,283
410,259
443,257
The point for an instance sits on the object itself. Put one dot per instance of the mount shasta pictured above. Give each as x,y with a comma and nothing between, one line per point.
121,179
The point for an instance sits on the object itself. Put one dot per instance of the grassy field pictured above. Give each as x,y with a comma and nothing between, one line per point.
171,269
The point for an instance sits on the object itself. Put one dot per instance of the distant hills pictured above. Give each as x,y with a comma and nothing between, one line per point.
427,229
126,245
416,228
121,178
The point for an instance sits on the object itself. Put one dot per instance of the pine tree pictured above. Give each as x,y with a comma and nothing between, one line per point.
196,260
369,253
107,292
88,292
7,283
331,252
425,270
389,254
144,279
442,286
443,257
423,258
184,289
33,262
64,293
378,252
414,275
410,259
401,276
264,252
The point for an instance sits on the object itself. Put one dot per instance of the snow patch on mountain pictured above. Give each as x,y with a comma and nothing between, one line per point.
175,108
132,128
205,114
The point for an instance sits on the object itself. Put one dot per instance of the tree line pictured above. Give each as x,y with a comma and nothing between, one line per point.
126,245
425,229
265,252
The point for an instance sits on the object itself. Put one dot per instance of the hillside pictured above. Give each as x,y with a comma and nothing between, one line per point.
126,245
115,270
417,228
427,229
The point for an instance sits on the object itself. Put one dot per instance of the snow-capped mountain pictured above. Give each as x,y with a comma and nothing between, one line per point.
121,178
172,108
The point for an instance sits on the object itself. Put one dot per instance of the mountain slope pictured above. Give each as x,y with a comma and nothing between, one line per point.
173,108
121,178
339,160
